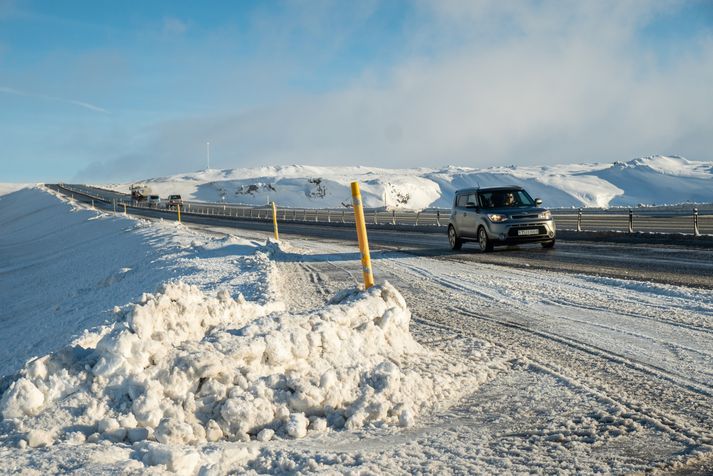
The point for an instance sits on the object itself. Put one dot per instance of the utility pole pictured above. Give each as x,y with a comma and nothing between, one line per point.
207,155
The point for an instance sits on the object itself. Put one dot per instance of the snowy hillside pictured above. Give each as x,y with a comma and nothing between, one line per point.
645,181
6,188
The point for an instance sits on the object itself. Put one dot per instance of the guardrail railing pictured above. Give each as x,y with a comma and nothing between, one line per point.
678,220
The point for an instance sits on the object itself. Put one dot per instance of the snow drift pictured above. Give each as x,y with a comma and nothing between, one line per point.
183,367
648,180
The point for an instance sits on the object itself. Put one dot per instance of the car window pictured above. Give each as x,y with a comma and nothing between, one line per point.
471,200
506,199
461,201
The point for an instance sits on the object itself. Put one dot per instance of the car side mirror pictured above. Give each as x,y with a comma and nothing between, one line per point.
538,201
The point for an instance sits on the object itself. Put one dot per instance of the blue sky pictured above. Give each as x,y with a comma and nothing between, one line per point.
120,90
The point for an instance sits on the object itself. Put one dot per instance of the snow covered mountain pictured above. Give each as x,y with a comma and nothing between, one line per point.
652,180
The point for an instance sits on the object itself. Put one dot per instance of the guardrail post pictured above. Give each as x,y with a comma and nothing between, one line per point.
696,232
418,214
631,221
343,216
438,218
376,217
393,217
316,215
178,210
274,220
304,215
361,235
114,203
579,220
329,216
125,209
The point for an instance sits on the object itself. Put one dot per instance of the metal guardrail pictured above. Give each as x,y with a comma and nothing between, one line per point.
677,220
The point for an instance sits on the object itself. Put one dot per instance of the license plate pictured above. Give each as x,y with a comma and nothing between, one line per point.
533,231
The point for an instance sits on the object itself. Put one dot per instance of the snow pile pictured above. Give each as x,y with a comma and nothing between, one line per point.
64,266
182,367
646,180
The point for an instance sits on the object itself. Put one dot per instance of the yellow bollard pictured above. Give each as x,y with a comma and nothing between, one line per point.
178,208
274,220
361,234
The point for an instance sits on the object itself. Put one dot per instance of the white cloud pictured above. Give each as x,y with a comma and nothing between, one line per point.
508,82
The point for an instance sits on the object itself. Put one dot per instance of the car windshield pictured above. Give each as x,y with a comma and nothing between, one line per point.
505,199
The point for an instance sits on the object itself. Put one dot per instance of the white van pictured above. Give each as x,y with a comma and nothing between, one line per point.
153,201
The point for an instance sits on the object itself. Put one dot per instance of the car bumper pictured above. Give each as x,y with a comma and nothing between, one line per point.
531,232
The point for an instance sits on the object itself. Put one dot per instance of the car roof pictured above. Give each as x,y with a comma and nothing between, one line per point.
489,189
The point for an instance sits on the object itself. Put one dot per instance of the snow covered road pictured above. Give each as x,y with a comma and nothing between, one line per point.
572,372
641,350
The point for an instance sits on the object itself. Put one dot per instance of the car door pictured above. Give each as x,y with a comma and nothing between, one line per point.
457,212
469,215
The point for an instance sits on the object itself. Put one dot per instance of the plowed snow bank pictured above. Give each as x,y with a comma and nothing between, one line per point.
184,367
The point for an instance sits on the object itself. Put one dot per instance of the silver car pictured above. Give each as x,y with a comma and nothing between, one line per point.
499,216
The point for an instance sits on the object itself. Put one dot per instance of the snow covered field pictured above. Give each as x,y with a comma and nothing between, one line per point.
653,180
151,347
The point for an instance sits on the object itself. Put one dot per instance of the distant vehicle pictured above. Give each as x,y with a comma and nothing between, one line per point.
139,192
499,216
153,201
174,200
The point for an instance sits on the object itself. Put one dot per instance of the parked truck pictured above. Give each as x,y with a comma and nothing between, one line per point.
140,192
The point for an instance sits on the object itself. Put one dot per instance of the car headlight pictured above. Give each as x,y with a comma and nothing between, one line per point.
546,215
495,218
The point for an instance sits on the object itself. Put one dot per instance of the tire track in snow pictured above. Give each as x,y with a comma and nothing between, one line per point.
530,312
657,421
550,352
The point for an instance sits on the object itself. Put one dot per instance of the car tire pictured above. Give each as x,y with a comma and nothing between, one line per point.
453,238
548,244
485,243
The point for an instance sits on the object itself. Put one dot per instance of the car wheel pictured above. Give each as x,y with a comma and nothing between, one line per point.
453,238
548,244
485,244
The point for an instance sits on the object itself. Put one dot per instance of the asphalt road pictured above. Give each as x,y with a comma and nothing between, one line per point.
664,262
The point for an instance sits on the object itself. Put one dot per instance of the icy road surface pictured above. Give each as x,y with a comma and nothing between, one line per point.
577,373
